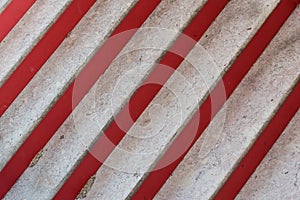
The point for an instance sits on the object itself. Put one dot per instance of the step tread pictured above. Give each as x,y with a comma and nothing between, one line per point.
55,75
113,181
277,177
221,146
27,32
247,111
71,146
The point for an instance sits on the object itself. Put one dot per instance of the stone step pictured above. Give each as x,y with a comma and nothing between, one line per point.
27,32
56,99
42,51
166,16
277,177
63,107
89,165
123,171
44,89
239,124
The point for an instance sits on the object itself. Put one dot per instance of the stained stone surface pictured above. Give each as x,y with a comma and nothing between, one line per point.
26,34
173,107
135,62
223,143
248,110
57,73
278,175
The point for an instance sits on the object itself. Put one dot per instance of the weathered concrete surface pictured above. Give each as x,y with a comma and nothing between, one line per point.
60,156
278,175
173,107
249,109
3,4
26,34
54,77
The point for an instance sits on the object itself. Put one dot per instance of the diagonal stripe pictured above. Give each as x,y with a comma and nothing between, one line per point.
261,147
35,60
12,14
231,79
4,4
27,33
240,121
61,110
41,52
90,165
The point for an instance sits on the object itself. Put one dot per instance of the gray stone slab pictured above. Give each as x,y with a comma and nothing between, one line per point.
172,108
4,4
57,73
26,34
137,59
247,111
277,177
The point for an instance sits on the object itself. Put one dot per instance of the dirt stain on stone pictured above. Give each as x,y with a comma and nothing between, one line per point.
87,187
36,158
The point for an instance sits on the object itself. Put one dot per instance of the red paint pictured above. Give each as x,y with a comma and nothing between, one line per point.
231,79
261,147
63,107
90,164
41,52
12,14
22,76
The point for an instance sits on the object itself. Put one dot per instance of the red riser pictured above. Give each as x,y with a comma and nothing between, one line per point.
141,99
38,56
261,147
12,14
231,79
41,52
63,107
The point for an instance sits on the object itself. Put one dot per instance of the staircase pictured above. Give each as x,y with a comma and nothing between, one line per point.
170,99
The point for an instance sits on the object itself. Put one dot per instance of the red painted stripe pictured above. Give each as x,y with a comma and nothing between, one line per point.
261,147
63,107
141,99
29,67
12,14
41,52
231,79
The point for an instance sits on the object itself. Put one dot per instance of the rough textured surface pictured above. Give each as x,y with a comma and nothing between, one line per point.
86,188
57,73
60,156
36,158
27,32
174,106
251,106
3,4
211,160
278,176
